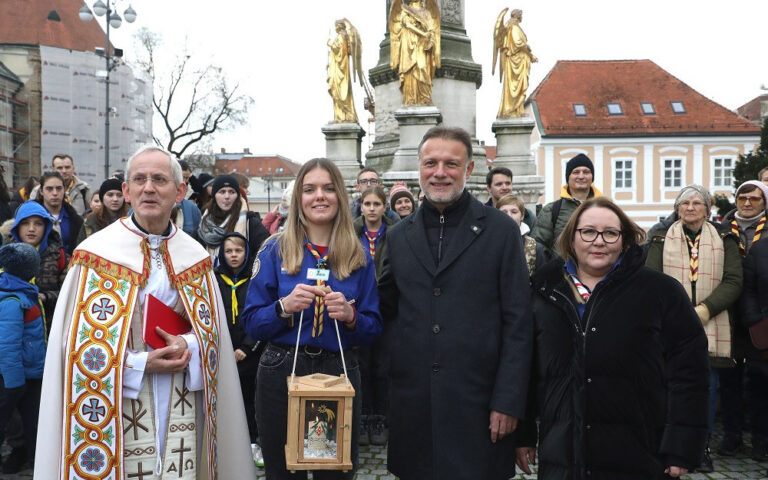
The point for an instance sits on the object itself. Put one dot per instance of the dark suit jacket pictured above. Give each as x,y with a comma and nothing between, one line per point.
461,345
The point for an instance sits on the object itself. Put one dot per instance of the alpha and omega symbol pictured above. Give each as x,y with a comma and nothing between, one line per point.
103,308
94,410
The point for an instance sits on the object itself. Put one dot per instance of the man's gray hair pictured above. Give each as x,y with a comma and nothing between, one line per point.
175,166
691,190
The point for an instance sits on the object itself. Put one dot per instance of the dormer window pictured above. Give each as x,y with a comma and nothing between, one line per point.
614,108
648,108
677,107
579,110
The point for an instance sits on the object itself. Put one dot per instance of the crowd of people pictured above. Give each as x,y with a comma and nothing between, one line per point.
477,337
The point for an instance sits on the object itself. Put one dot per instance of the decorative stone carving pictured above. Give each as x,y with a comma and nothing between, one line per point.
450,12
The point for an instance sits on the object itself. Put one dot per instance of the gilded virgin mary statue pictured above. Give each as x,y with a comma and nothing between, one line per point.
414,33
510,47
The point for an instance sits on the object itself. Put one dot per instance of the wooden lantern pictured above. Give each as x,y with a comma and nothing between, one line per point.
319,423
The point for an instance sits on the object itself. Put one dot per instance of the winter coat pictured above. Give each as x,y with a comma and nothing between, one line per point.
76,228
546,230
724,296
53,259
272,221
461,344
240,339
381,247
22,339
625,396
355,208
754,300
78,196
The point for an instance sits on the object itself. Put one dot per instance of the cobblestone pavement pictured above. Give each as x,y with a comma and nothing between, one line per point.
373,466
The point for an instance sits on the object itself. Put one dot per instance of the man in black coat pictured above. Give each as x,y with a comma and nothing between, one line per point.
456,290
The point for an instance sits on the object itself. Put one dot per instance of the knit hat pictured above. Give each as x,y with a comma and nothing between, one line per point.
224,181
205,179
763,188
579,160
20,260
688,191
110,184
399,190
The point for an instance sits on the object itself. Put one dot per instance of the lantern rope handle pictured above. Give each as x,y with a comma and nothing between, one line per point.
341,349
296,353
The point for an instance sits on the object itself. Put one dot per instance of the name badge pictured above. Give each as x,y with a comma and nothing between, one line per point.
318,274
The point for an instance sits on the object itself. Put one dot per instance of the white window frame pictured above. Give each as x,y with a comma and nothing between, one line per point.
632,169
662,170
712,159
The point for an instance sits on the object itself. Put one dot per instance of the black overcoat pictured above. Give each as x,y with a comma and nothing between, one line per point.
623,394
461,345
754,298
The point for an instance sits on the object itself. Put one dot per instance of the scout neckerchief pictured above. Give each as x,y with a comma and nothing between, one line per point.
322,264
373,238
234,286
693,246
583,290
758,233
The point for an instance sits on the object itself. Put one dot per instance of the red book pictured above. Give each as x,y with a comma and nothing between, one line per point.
158,314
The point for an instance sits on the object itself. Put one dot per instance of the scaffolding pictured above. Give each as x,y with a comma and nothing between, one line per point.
15,149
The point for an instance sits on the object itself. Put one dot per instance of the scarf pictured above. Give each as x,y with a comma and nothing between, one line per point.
234,286
322,263
710,259
210,233
581,288
373,238
758,230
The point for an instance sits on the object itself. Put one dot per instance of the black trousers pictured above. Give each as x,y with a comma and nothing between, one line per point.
26,399
272,405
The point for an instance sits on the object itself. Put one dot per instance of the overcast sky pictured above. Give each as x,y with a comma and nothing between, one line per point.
278,51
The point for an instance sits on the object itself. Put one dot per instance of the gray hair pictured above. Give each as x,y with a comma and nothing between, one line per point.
691,190
178,178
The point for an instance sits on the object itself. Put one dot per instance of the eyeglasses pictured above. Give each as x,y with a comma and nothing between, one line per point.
157,180
752,200
590,235
368,181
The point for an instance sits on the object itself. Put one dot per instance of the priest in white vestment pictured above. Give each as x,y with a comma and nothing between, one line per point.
113,407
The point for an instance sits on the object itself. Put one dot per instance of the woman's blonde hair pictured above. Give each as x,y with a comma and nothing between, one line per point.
345,252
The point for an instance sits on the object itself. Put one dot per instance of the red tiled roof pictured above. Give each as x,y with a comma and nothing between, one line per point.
259,166
26,22
627,82
751,109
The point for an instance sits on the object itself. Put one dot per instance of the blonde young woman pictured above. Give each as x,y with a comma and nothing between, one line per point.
318,248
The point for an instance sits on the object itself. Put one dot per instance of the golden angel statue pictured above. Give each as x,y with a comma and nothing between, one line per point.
346,45
414,34
511,45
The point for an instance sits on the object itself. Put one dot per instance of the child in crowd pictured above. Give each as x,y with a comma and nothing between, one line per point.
22,341
371,226
535,255
233,274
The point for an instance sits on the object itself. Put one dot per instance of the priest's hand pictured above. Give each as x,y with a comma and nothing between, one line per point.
501,425
172,340
526,456
340,309
169,359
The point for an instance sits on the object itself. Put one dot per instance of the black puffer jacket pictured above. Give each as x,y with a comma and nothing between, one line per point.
626,396
754,300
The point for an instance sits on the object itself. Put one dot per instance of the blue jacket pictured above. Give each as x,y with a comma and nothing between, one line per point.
270,283
22,337
191,217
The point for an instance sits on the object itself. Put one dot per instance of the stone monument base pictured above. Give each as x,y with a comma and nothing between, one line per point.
513,145
414,121
342,145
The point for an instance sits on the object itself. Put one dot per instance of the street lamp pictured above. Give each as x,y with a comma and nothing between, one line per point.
114,21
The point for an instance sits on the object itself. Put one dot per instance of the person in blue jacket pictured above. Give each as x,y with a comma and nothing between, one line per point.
315,274
22,340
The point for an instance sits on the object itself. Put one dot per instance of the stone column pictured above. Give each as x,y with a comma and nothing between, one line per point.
513,150
342,145
414,121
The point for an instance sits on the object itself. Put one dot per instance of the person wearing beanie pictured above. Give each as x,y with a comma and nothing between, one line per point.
401,200
34,226
113,206
579,175
227,212
748,221
704,257
22,345
200,185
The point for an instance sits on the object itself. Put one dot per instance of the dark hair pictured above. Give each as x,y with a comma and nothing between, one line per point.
184,166
365,170
5,194
376,190
30,184
43,180
449,133
748,187
103,216
497,171
218,215
62,156
631,234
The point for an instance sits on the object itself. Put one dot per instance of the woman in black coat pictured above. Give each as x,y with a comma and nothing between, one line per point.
620,370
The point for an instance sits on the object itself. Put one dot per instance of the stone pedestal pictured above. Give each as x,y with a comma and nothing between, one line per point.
342,145
513,145
413,121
